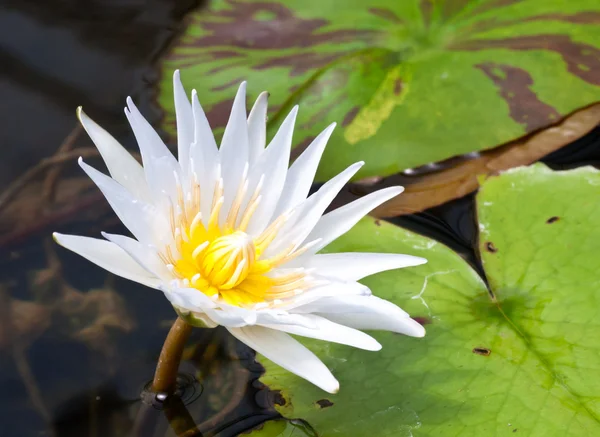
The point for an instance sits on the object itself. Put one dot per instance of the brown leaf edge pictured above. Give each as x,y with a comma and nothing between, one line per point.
435,188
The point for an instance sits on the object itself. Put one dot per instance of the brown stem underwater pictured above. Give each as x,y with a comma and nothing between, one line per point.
165,377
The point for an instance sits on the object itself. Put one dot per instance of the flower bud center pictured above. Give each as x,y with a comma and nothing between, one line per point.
227,260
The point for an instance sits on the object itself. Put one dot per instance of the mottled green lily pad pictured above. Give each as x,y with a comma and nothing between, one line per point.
520,357
287,428
409,82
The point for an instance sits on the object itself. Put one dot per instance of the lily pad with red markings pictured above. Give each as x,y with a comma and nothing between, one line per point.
519,355
410,82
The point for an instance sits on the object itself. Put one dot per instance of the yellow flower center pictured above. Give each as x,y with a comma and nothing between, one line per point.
227,260
224,261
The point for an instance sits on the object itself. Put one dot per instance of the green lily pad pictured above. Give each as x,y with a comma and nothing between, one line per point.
287,428
520,357
409,82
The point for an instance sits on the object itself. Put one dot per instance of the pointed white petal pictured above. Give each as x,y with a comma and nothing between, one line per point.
352,304
329,288
257,127
165,180
341,220
279,317
406,326
202,132
159,162
234,149
364,312
144,255
353,266
287,353
122,166
140,218
273,164
206,171
185,123
302,173
204,156
307,214
330,331
108,256
150,143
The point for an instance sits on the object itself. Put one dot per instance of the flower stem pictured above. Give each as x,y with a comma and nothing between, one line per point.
165,377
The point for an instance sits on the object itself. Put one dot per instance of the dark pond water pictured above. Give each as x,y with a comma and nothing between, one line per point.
77,347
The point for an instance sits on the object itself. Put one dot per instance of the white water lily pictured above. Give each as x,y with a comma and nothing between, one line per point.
231,236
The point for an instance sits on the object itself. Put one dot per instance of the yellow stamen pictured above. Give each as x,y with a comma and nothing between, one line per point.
198,251
252,205
220,259
269,234
235,207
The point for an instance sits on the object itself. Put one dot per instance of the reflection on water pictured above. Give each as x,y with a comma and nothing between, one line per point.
584,151
77,346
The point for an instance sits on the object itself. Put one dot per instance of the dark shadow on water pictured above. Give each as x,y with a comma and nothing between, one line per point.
581,152
77,346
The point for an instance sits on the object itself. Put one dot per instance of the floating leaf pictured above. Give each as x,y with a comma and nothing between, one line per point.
287,428
519,357
410,82
456,180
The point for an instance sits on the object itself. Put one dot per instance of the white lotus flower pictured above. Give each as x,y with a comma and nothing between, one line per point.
231,238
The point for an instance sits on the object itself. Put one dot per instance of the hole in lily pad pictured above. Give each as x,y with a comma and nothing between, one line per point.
484,351
489,246
422,320
324,403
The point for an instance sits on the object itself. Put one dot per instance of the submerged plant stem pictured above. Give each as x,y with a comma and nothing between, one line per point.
165,377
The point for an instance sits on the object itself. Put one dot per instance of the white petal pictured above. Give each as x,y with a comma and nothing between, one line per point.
188,298
406,326
257,127
287,353
108,256
341,220
232,316
353,266
150,143
302,173
354,304
234,149
279,317
204,156
273,164
330,331
365,312
164,179
227,319
121,165
194,300
308,213
143,254
330,287
202,132
140,218
155,155
185,122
